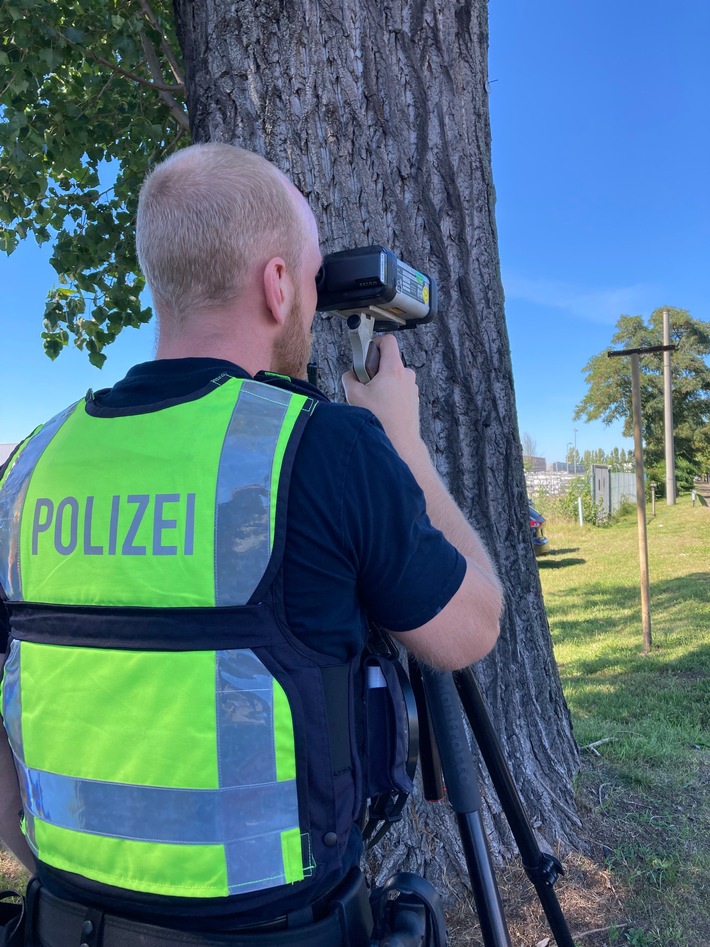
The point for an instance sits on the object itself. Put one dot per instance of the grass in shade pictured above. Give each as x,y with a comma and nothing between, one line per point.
643,721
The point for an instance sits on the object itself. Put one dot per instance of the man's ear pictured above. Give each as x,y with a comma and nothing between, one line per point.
278,289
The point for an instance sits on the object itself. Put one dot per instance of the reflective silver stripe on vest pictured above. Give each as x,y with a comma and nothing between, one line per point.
245,728
245,720
159,814
244,483
246,814
12,498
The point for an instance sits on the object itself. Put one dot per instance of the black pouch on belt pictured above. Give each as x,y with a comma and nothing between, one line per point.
12,919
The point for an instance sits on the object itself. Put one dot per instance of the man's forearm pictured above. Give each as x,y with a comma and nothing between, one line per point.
443,511
393,397
467,627
10,807
11,803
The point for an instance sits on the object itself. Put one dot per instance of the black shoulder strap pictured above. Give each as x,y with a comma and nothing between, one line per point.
392,735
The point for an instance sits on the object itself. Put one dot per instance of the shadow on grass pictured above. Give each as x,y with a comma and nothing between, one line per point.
559,563
679,688
561,552
606,612
630,660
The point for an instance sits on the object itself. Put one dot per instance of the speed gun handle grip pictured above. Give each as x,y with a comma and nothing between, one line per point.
372,360
366,356
360,329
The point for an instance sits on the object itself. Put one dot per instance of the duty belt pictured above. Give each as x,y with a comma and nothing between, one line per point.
60,923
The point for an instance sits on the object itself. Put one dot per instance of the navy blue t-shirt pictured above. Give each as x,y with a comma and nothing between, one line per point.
358,544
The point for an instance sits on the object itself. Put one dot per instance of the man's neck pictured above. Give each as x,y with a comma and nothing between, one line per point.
250,352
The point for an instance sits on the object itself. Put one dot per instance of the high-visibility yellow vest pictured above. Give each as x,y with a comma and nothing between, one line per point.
170,735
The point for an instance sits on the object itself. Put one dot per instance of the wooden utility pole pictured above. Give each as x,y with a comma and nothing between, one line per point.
668,410
640,484
641,502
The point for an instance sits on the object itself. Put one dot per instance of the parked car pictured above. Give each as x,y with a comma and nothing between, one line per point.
539,540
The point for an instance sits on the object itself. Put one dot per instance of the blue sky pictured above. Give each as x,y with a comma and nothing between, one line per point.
601,140
601,146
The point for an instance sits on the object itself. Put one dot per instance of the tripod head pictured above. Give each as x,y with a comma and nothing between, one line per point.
374,292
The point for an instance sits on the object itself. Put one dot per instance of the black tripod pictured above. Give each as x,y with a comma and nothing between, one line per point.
444,747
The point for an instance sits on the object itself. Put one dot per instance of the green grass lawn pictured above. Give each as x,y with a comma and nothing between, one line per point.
643,720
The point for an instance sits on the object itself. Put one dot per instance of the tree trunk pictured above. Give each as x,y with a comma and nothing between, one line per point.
378,111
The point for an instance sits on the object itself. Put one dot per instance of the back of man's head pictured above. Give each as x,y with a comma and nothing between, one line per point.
207,216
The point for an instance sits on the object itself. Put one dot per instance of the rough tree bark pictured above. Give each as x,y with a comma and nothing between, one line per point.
378,111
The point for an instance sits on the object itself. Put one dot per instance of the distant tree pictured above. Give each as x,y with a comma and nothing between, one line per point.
590,457
609,380
612,458
529,451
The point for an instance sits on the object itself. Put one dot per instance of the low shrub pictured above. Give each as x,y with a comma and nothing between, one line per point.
565,505
684,477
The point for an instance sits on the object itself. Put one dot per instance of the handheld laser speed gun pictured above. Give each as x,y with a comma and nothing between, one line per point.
374,292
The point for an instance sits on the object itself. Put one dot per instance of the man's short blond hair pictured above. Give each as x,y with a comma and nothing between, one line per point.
206,216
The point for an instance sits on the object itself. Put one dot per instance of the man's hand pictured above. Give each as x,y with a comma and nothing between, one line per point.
392,396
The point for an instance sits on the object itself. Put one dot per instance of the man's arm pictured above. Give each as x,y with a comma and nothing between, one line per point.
11,803
467,627
10,800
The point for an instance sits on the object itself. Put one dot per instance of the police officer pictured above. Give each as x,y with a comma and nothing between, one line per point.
188,561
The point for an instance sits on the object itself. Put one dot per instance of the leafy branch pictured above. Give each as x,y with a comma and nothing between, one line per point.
165,94
164,45
84,114
156,84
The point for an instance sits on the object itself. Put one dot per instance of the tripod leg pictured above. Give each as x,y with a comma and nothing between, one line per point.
542,869
462,789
